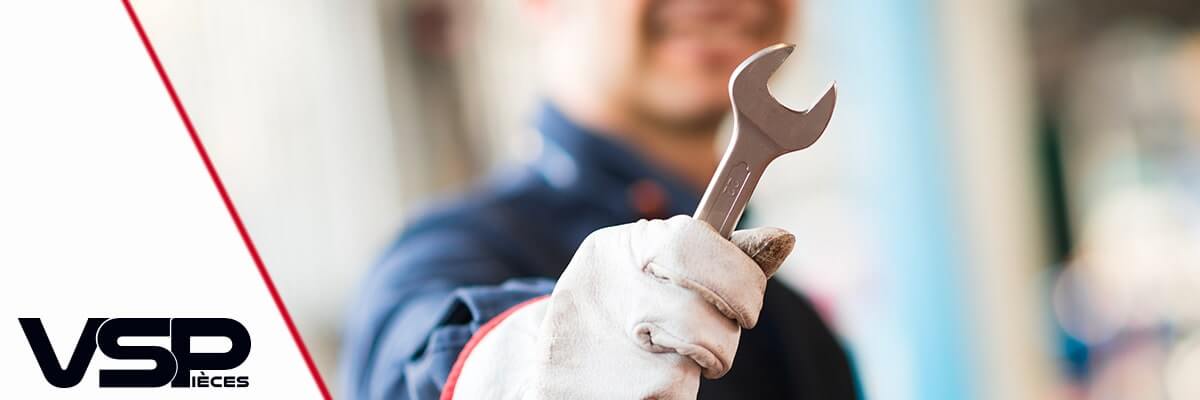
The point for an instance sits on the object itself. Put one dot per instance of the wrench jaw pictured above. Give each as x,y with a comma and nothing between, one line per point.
749,80
748,91
805,128
753,103
788,129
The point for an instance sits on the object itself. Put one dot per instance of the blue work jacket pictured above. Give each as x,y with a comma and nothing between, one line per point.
458,265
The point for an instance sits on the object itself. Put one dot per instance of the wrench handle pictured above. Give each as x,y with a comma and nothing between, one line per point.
730,188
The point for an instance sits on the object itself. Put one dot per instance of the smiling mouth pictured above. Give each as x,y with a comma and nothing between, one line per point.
711,21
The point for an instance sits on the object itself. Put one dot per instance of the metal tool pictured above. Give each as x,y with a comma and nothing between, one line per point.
763,129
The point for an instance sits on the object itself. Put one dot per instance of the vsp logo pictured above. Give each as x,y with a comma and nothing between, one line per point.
174,365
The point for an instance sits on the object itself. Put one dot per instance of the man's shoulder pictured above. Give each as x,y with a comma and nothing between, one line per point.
496,202
499,220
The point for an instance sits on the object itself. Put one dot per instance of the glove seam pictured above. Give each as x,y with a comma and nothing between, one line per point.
705,292
711,373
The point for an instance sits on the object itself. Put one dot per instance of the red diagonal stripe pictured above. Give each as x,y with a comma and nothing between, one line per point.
212,172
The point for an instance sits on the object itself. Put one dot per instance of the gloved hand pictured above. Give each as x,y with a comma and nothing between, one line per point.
641,312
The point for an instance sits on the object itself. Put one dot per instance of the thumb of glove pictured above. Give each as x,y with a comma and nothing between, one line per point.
768,247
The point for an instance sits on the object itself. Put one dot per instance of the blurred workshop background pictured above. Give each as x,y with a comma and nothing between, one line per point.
1005,206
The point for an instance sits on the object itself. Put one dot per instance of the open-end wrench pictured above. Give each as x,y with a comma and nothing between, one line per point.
763,129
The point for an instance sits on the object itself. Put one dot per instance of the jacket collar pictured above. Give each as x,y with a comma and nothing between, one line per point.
582,161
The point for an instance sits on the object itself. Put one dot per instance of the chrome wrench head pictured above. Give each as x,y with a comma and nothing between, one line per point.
763,129
753,103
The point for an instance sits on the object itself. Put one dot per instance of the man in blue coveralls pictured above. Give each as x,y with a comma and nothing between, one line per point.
635,92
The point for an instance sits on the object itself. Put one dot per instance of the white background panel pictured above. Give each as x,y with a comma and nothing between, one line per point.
106,209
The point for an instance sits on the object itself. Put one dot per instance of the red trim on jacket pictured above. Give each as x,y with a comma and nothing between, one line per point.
452,380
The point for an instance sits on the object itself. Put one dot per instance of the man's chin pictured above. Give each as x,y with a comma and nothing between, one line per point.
700,121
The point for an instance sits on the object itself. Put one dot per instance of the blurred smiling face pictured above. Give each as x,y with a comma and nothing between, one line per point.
667,62
689,48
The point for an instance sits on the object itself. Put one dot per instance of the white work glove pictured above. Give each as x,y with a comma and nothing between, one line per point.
642,311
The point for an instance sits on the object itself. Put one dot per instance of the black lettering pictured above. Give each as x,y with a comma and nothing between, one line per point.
184,329
47,360
165,365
